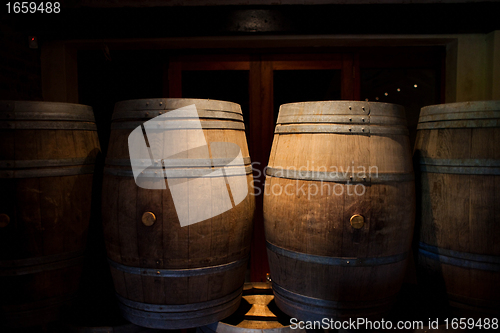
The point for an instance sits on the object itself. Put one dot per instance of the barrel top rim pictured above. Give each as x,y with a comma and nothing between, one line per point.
175,99
122,105
47,103
343,101
342,107
467,106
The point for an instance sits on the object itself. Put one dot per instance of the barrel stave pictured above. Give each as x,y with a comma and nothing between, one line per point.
325,264
164,265
48,154
458,157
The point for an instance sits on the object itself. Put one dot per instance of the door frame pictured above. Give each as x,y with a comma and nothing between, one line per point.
256,53
261,69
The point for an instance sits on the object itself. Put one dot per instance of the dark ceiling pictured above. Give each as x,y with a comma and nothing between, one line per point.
153,22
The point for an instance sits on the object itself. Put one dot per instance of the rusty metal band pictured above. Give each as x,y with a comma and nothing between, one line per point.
183,173
336,261
458,124
176,103
459,116
48,172
78,115
342,129
461,170
461,259
21,164
486,305
461,107
323,109
203,114
486,167
324,307
339,177
175,308
343,108
183,125
178,163
48,125
37,268
341,119
177,272
468,162
189,315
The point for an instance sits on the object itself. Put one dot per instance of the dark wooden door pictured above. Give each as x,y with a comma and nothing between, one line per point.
260,83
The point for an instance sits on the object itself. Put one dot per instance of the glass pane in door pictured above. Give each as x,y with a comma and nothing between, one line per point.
224,85
411,88
305,86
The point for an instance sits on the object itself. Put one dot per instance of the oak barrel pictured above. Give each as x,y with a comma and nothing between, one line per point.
257,313
48,151
339,208
458,158
177,210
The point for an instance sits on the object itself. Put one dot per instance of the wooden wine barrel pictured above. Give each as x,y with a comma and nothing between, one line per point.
257,313
48,151
458,158
338,240
169,273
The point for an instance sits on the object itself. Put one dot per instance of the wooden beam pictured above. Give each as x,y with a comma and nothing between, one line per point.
267,108
266,42
356,76
442,77
347,77
305,61
174,78
215,65
260,141
172,3
165,89
493,40
254,91
298,64
214,62
59,72
471,68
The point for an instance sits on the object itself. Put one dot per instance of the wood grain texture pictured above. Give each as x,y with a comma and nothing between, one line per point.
261,122
49,215
460,211
59,72
166,245
174,78
312,217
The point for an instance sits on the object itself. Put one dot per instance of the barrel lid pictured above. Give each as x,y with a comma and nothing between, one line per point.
326,108
168,104
478,110
39,110
472,114
472,106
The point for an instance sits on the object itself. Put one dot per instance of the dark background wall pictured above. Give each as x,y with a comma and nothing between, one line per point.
20,66
20,73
